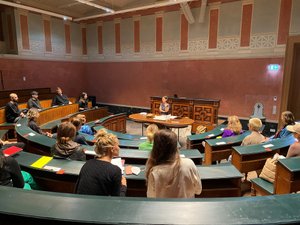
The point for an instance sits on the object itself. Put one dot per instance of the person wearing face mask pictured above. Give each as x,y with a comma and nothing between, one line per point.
12,111
99,176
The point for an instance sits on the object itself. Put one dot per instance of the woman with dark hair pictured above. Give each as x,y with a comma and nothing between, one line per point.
10,172
168,175
99,176
65,147
83,101
80,139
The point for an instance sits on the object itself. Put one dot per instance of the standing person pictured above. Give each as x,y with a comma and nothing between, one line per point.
168,175
32,115
34,101
83,101
255,137
150,131
65,147
12,111
294,149
164,106
99,176
60,98
234,127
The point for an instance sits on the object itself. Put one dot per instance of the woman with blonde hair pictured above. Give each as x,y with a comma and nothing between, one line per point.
234,127
150,131
99,176
168,175
65,147
32,115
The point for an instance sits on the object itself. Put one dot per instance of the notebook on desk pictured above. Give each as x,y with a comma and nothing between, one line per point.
11,151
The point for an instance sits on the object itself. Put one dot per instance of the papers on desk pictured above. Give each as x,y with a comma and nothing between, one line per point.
143,138
222,129
52,168
31,134
210,135
41,162
268,146
221,143
11,151
90,152
182,156
18,125
132,170
143,113
165,117
119,163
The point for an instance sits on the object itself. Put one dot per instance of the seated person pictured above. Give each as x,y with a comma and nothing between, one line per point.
294,149
99,176
255,137
84,128
234,127
32,115
60,98
150,131
168,175
287,118
34,102
10,172
12,111
80,139
83,102
164,106
65,147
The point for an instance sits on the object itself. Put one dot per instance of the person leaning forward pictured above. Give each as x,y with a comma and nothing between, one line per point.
34,102
60,98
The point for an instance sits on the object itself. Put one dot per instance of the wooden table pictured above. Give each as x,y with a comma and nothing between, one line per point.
172,123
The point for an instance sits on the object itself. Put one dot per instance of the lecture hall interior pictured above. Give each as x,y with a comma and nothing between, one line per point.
212,58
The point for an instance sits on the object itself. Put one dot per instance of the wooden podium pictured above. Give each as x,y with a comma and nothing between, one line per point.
203,111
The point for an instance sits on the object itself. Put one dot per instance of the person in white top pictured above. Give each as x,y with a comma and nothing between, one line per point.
168,175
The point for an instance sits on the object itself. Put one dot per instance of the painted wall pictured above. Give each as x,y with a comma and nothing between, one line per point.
230,71
67,75
238,83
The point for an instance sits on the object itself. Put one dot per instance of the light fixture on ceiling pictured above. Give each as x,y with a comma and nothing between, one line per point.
29,8
161,4
108,10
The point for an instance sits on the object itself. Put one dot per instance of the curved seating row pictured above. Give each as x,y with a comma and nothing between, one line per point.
36,208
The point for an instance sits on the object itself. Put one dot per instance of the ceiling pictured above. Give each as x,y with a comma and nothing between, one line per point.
79,9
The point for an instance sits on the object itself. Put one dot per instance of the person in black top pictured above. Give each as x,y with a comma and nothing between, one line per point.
99,176
83,101
60,98
80,139
12,111
32,116
10,172
34,102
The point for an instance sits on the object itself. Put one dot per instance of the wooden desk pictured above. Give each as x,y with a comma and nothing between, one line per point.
202,111
119,134
253,157
172,123
217,181
24,207
287,179
195,141
221,148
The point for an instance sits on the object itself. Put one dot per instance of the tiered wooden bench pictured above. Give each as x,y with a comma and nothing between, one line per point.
253,157
221,148
287,179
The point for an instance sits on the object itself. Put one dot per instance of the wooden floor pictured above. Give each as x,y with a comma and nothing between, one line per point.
136,128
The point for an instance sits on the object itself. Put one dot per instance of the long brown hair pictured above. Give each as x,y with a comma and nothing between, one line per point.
287,118
164,151
65,132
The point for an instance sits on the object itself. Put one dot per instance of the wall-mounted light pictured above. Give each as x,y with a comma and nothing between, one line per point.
273,67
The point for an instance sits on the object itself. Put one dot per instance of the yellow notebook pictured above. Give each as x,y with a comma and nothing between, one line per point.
41,162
